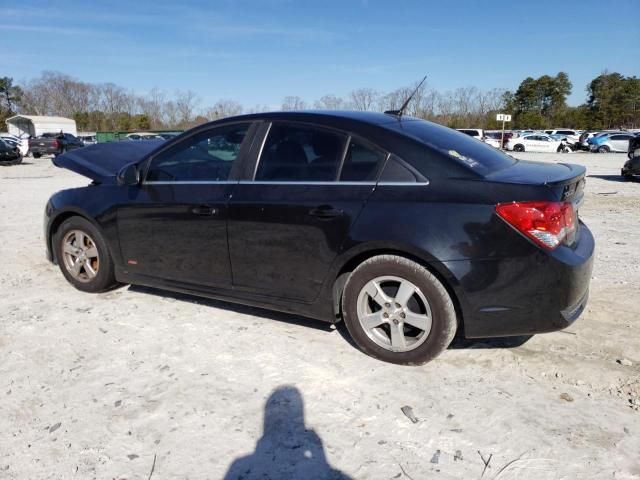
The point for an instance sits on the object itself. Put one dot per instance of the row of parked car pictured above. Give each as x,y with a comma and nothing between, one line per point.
556,140
13,148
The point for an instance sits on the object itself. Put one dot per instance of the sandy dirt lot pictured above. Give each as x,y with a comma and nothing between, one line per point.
137,383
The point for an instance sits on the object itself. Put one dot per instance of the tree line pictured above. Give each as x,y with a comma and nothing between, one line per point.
612,101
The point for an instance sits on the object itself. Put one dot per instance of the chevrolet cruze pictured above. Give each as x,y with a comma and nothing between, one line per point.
408,231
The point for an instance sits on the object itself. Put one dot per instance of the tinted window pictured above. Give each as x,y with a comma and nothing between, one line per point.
206,156
295,153
397,171
362,162
566,132
620,137
476,155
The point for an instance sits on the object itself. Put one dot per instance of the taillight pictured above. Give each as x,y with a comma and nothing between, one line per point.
56,143
546,223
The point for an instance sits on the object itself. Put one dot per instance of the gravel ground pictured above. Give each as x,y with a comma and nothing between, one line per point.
137,383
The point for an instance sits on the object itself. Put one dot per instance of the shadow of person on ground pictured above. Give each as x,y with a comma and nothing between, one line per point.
287,448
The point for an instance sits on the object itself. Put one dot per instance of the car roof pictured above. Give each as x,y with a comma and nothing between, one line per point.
375,118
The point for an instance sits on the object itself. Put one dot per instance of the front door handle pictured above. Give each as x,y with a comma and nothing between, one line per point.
204,210
325,211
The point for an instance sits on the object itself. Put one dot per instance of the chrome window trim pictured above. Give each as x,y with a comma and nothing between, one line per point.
281,182
403,184
191,182
384,184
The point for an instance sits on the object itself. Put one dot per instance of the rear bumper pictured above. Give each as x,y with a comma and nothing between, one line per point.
535,293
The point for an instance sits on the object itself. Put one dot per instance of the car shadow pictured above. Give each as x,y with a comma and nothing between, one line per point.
457,344
613,178
237,308
288,448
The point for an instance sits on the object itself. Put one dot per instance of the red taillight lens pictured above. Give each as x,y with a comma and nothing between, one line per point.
546,223
56,143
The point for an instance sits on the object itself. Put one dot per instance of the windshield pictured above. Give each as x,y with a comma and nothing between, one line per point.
462,148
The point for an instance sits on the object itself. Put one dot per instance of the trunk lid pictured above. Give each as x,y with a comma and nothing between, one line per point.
566,176
101,162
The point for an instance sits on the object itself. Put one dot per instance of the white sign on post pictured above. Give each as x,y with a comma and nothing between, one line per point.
501,117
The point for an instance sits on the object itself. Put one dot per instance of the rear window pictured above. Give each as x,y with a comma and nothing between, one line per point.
459,147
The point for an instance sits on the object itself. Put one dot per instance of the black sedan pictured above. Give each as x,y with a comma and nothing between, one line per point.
408,231
9,155
631,167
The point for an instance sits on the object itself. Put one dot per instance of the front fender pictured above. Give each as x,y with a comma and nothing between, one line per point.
67,203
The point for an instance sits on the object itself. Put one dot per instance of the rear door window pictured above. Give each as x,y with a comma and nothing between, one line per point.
300,153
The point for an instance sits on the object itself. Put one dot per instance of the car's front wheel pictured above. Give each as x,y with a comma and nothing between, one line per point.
83,256
603,149
398,311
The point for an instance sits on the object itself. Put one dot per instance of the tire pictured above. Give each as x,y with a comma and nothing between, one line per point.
603,149
37,155
518,148
18,160
430,299
97,273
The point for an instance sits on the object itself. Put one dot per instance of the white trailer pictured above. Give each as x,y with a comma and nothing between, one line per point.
25,126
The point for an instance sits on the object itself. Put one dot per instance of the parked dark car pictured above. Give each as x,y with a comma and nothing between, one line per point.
632,166
9,154
53,144
407,230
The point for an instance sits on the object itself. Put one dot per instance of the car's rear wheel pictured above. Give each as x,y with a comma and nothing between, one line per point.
603,149
518,148
398,311
83,256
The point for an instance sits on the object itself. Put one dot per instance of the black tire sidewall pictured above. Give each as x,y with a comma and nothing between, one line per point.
105,278
439,336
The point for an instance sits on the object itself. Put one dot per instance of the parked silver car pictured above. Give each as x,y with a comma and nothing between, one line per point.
611,142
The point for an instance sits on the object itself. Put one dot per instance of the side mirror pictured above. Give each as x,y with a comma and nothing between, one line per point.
129,175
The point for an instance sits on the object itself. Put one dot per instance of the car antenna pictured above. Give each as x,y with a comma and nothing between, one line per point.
400,112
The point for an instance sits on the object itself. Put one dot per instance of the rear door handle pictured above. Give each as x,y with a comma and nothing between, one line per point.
325,211
204,210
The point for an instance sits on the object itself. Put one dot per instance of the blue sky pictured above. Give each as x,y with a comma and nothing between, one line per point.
257,52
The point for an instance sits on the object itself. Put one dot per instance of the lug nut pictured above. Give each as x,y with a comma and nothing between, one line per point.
402,315
385,315
387,305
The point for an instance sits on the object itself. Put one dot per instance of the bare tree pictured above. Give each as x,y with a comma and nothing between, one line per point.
363,98
223,108
186,103
293,103
330,102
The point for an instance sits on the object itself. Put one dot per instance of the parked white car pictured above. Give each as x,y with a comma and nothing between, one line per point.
476,133
572,136
538,142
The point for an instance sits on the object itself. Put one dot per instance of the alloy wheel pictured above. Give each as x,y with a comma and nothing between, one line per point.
80,255
394,313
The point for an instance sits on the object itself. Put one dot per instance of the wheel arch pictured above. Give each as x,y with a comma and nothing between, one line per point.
59,218
349,263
